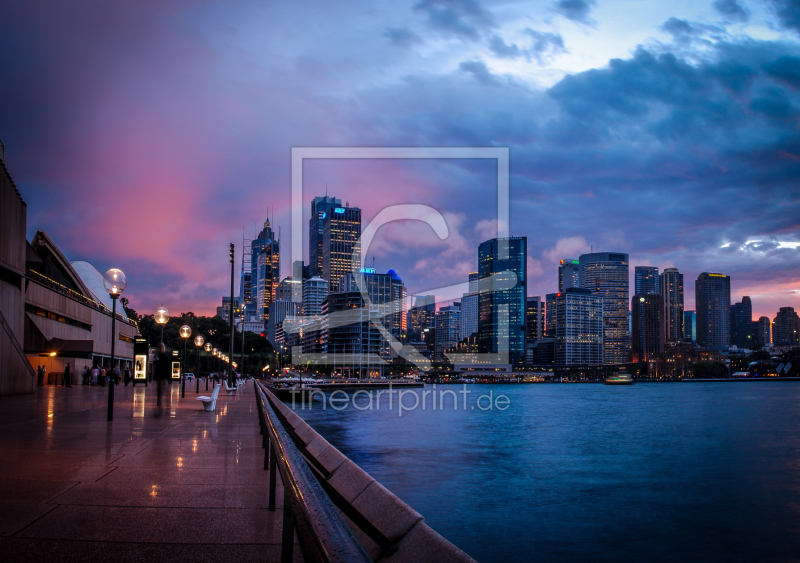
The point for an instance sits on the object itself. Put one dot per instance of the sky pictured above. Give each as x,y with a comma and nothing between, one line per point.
147,136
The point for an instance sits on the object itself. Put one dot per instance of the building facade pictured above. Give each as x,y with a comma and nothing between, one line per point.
341,243
319,206
712,293
786,328
763,331
671,289
689,326
448,321
606,274
315,290
742,327
579,328
647,334
569,274
501,312
645,280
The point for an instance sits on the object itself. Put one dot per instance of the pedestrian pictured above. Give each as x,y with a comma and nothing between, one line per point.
95,374
86,375
127,376
115,375
67,376
39,375
102,378
163,375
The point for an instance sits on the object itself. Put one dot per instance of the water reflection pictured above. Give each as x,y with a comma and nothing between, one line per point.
138,402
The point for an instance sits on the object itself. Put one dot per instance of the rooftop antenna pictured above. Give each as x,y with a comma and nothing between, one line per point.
373,261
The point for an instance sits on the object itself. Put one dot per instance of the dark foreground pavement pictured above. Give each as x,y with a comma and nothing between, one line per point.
186,486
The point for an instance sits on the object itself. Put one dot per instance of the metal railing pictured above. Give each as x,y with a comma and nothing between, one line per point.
323,534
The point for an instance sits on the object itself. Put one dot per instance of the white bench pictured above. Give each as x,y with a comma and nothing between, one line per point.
229,389
210,402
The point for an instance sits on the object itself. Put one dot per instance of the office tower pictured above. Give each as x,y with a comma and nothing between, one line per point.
421,316
224,311
569,274
786,328
645,280
579,328
742,329
315,290
469,315
501,313
448,320
549,329
647,336
713,302
319,206
341,243
763,331
291,289
352,339
279,310
533,325
689,326
671,289
473,283
606,274
265,260
386,294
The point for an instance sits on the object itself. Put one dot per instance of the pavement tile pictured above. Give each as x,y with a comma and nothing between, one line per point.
16,515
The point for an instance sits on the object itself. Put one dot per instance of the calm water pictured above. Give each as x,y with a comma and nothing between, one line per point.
658,472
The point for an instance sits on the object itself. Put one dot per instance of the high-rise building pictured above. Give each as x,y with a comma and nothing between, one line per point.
352,340
569,274
742,328
448,320
549,330
689,326
713,302
763,331
671,289
786,328
291,289
579,328
319,206
386,293
501,313
469,315
645,280
473,283
647,336
421,316
341,243
279,310
315,290
606,274
533,325
265,261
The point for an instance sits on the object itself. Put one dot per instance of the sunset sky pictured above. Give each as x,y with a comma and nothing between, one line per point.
148,135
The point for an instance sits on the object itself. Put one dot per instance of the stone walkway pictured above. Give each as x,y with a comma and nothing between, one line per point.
187,486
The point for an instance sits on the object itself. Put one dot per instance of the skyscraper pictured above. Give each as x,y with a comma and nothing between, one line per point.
713,302
671,289
447,330
469,309
265,261
645,280
786,328
549,330
606,274
421,316
341,243
763,331
386,293
742,328
501,313
533,318
569,274
319,206
579,328
315,290
647,336
689,326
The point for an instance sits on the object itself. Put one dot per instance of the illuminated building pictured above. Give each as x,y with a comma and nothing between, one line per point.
341,243
549,329
606,274
689,326
533,325
448,320
713,303
469,309
645,280
501,313
671,290
569,274
647,336
579,328
421,316
315,290
265,259
319,206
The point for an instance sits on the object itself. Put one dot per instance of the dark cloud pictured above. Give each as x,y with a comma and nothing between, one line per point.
788,12
732,10
503,51
575,10
684,32
463,18
786,69
544,44
480,72
402,36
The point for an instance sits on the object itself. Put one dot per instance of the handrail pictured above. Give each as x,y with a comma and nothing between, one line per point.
324,536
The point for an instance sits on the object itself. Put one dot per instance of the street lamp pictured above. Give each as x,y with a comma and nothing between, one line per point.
162,317
185,331
198,342
216,364
207,348
114,283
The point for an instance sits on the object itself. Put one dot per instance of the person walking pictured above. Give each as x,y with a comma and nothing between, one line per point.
39,376
163,375
67,376
95,374
85,378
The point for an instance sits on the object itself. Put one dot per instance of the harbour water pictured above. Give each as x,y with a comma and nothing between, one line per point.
583,472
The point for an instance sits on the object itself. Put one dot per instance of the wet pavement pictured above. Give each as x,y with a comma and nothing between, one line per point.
188,485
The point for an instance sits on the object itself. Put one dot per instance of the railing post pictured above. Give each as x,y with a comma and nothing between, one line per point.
287,545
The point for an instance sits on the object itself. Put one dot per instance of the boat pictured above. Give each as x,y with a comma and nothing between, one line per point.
620,378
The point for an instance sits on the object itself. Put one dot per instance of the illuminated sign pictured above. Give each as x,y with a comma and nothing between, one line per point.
367,270
324,215
339,210
140,367
717,275
641,299
176,370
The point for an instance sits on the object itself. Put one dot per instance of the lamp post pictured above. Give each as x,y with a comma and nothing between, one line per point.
162,317
215,351
198,342
185,331
114,283
207,348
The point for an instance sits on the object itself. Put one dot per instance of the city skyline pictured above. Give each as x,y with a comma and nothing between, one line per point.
680,119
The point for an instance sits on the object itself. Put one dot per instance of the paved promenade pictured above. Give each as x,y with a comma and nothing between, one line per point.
187,486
